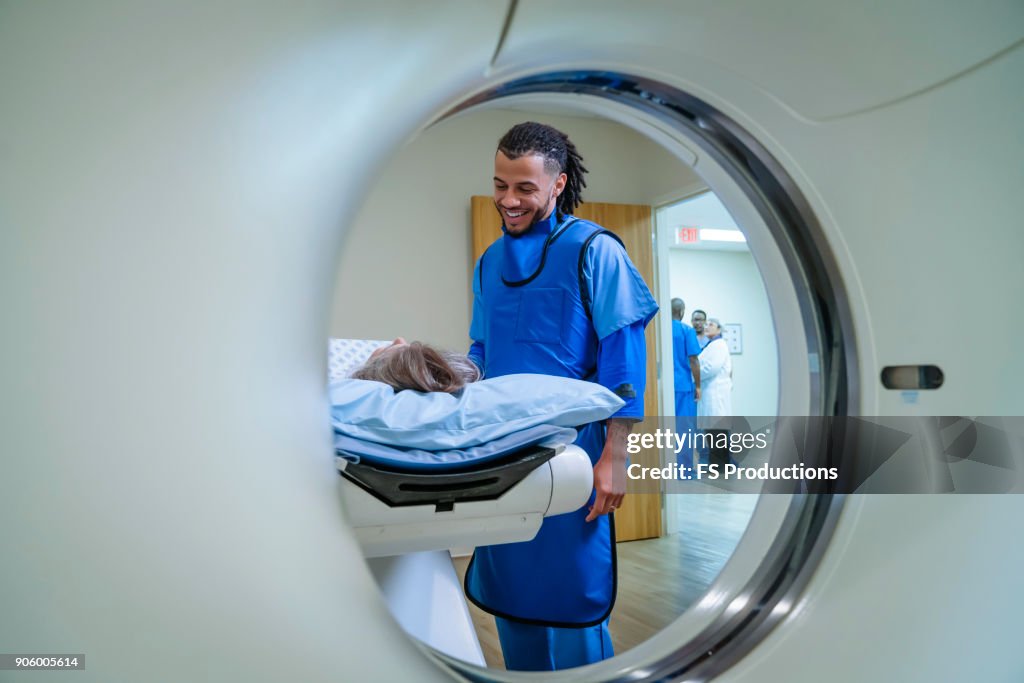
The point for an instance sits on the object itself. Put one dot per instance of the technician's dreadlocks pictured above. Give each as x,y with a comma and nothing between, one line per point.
560,156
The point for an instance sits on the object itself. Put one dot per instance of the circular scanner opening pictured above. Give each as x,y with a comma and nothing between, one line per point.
786,534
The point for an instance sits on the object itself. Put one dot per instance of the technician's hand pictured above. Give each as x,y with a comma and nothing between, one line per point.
696,394
610,470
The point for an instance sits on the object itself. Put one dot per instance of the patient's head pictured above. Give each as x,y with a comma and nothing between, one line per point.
419,367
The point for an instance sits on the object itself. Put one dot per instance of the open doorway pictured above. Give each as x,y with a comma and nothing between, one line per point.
704,261
711,268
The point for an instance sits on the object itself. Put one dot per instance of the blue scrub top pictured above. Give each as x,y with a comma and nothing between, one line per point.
684,345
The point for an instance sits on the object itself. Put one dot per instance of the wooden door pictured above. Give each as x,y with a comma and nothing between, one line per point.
640,514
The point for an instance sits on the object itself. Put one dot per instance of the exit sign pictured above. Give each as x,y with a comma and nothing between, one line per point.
687,235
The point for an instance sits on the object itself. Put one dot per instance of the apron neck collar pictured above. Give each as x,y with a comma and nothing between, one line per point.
557,224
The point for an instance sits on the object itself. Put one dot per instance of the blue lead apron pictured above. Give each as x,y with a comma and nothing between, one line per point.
566,575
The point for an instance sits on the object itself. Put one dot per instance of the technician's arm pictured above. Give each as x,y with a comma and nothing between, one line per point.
695,371
622,368
477,354
477,351
621,305
610,470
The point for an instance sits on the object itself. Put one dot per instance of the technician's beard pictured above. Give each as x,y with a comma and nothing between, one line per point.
536,217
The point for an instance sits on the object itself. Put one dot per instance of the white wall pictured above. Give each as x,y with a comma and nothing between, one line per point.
728,286
406,265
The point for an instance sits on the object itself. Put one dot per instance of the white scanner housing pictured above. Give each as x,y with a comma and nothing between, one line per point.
561,484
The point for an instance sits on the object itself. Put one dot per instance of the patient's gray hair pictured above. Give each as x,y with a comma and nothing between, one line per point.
420,367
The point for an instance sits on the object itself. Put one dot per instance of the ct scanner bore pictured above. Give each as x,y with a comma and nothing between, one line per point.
171,185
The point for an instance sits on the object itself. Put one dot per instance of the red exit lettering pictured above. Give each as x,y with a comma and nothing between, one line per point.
688,235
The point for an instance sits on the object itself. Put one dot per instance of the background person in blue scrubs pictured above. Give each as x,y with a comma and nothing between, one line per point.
559,296
686,376
685,366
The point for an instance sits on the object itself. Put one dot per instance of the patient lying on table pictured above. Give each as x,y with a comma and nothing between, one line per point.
449,419
419,367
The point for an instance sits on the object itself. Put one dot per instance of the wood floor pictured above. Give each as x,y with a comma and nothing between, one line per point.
658,578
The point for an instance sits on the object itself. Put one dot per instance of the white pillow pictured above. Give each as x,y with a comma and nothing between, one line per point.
345,355
481,412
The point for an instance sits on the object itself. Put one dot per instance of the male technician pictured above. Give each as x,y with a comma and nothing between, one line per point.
558,296
685,366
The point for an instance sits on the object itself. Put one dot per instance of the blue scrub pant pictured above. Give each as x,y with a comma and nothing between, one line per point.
546,648
686,422
685,405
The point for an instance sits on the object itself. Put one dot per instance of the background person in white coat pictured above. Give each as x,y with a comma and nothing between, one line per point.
715,373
